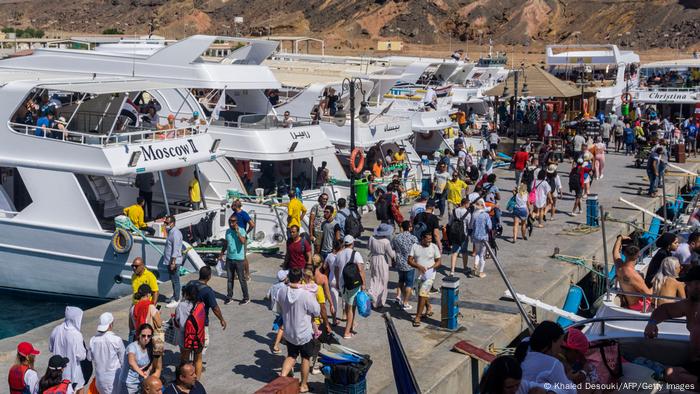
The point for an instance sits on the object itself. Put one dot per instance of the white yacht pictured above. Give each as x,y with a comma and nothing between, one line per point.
62,186
476,79
607,69
672,85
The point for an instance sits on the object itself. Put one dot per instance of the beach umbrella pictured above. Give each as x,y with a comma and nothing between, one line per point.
403,375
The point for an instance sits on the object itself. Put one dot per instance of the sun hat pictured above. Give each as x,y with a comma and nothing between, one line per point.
105,320
26,348
552,168
61,120
383,230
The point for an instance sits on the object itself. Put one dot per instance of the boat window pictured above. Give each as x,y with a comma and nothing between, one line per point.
678,77
14,196
97,119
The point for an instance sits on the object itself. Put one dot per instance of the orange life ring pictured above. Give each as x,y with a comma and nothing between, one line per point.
626,98
354,165
175,172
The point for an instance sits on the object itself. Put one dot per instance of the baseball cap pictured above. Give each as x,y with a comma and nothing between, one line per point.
693,274
349,240
473,197
424,195
105,320
26,348
57,362
576,340
579,161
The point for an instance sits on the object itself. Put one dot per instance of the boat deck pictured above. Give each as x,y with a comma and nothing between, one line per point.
239,360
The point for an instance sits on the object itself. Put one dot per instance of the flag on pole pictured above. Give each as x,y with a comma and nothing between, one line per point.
219,104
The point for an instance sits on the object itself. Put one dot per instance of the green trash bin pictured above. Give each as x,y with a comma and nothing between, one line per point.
361,192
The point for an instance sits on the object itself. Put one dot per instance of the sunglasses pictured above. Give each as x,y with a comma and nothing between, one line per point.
134,266
146,336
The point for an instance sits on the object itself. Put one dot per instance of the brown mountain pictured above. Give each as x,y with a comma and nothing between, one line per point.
357,24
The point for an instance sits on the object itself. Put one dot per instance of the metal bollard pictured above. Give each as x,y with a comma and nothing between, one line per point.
449,308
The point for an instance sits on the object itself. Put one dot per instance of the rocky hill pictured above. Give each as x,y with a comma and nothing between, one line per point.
641,24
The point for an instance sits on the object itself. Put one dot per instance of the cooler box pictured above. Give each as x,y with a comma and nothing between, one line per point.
361,192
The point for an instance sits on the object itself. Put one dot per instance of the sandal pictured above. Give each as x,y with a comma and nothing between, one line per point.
416,323
428,314
275,351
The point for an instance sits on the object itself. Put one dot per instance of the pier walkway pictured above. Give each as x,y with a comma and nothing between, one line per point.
239,359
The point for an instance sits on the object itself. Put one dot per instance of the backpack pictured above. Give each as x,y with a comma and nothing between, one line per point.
194,328
455,232
61,388
420,227
353,225
383,209
351,274
574,179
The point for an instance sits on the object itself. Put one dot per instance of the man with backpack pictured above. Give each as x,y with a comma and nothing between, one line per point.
457,234
427,221
348,221
206,295
350,275
298,306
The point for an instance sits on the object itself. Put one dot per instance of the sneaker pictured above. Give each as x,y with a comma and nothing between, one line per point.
172,304
433,290
407,307
247,301
315,371
228,301
449,272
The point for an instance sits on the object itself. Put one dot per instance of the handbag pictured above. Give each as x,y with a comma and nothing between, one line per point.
170,332
511,204
605,357
158,340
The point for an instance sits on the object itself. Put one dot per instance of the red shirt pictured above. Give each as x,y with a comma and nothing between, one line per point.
297,256
520,160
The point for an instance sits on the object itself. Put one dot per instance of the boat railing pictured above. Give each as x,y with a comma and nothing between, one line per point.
119,138
264,122
607,319
7,214
644,297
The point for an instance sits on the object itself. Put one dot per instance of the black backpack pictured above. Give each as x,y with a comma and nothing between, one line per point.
353,225
455,232
351,274
420,227
383,209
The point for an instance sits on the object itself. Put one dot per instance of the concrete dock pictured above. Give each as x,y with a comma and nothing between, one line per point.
239,359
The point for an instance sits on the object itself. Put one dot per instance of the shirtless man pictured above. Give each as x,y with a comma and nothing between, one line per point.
629,279
690,309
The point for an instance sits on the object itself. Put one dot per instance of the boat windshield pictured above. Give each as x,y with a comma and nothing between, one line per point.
673,77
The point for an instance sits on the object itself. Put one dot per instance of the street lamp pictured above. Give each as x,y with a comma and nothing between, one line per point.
340,118
514,100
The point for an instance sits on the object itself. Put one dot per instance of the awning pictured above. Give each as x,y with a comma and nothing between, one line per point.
540,83
109,86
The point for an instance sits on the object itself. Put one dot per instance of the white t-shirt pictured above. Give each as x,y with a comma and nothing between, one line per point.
493,138
330,261
541,191
31,380
417,208
429,96
548,130
683,253
464,158
541,368
342,258
425,256
459,213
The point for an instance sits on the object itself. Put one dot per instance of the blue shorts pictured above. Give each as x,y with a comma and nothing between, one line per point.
407,278
520,213
462,247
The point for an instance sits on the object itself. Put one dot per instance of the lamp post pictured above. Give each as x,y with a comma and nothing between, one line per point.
340,118
514,101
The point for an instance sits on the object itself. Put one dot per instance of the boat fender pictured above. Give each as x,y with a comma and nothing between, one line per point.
356,166
122,241
175,171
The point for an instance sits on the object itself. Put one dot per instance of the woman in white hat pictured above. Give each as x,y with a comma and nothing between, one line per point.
380,256
555,184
